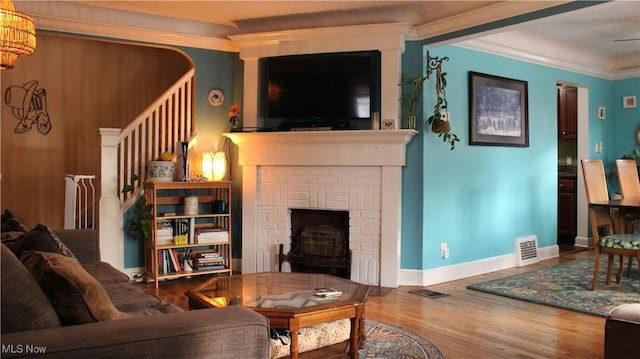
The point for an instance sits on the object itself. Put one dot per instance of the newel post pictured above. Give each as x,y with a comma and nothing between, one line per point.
111,230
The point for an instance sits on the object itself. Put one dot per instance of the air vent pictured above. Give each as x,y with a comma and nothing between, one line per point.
526,250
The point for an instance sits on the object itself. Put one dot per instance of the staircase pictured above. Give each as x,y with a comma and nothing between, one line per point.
124,153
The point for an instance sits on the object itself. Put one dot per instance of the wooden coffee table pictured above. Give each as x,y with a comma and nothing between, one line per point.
288,301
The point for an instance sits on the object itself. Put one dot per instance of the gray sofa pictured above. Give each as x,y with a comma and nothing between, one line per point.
52,304
622,332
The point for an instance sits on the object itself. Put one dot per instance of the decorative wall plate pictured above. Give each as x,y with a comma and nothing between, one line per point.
216,97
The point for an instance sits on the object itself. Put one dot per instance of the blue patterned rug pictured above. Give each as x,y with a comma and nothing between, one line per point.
389,341
566,285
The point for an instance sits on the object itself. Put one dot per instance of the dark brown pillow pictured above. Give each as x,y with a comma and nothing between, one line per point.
76,296
24,304
14,224
42,239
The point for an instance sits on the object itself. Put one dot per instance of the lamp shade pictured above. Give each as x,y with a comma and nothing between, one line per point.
18,35
219,166
207,165
214,165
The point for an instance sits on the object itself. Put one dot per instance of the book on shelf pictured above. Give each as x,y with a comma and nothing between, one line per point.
210,267
181,228
164,232
211,235
168,261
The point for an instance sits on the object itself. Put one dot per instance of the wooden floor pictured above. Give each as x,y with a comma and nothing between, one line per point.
472,324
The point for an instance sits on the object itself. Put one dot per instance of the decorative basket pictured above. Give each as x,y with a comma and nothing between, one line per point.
160,171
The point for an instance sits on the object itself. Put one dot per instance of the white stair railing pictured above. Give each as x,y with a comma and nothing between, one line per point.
167,121
124,153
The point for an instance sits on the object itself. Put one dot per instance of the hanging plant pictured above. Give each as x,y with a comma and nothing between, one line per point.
439,120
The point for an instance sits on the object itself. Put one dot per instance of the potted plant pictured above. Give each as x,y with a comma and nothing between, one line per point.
439,120
411,89
140,223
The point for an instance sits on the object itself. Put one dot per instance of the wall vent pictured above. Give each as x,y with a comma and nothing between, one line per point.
527,250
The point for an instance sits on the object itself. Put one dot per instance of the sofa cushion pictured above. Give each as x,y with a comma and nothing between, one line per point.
129,298
105,273
164,308
76,296
42,239
82,242
24,305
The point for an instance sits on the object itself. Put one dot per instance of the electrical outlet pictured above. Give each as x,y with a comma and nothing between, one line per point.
445,116
444,250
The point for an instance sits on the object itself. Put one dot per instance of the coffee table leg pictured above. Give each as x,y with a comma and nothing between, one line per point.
293,351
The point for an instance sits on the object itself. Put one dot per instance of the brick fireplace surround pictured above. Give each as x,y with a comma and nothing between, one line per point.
355,171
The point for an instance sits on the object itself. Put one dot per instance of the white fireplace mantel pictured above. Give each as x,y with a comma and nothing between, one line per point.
382,149
320,148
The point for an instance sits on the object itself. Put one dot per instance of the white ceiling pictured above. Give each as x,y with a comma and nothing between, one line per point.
588,33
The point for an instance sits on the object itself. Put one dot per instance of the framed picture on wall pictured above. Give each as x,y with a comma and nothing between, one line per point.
499,113
629,102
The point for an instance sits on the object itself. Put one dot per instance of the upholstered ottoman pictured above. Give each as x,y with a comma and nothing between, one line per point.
314,337
622,332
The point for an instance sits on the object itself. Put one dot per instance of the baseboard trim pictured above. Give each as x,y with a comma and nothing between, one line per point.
586,242
411,277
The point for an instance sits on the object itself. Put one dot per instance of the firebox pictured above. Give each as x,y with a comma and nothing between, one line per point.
319,242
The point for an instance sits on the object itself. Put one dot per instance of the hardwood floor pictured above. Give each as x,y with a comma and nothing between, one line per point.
472,324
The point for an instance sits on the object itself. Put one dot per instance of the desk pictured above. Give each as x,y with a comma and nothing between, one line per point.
624,206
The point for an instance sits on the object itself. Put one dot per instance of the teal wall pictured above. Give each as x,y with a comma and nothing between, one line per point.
480,198
624,121
412,180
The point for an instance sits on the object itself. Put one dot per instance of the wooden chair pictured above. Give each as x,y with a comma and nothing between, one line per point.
628,178
629,188
600,217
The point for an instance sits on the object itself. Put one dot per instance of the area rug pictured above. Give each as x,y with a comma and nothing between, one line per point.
389,341
566,285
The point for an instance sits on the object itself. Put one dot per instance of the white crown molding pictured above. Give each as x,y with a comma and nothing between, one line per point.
587,64
363,37
123,32
484,15
383,37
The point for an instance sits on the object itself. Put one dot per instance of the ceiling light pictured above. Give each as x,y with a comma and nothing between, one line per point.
18,35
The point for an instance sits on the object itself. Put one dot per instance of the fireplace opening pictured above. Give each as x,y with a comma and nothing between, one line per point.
319,242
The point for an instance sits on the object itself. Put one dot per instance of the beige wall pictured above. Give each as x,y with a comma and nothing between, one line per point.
89,84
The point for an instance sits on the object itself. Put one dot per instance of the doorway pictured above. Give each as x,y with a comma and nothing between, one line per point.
576,148
567,115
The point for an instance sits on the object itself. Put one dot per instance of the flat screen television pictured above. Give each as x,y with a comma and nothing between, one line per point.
320,91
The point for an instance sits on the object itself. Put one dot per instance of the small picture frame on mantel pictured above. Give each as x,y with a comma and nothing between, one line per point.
388,124
629,102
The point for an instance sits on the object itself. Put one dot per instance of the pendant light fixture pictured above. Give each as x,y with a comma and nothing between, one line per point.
18,35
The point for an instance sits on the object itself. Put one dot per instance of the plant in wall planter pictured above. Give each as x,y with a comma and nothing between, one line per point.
439,120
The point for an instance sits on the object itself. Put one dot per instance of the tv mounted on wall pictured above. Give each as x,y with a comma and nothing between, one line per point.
320,91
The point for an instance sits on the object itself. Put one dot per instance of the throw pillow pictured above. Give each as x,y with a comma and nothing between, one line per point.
42,239
14,224
76,296
24,305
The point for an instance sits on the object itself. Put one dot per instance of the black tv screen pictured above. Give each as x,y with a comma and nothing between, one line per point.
339,90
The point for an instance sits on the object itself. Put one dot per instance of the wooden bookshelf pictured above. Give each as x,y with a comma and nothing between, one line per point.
165,250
